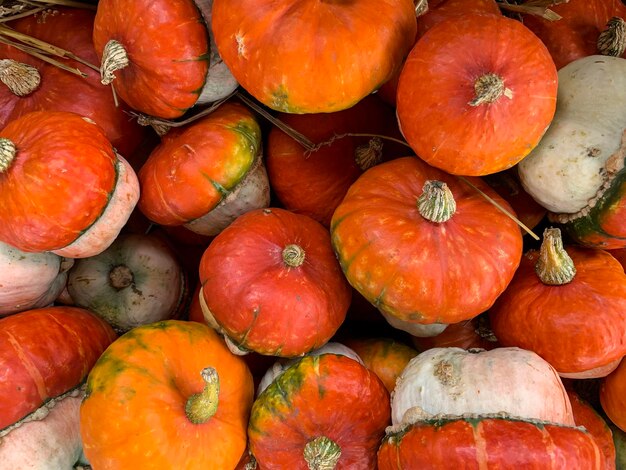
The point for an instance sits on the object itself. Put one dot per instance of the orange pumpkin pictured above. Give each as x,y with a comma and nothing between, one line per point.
476,94
312,57
166,395
415,241
63,188
613,396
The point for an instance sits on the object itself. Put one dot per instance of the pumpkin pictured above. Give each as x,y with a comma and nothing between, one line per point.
271,284
158,65
282,364
569,306
489,442
35,85
311,57
137,280
204,175
586,416
619,439
586,27
166,395
50,441
30,280
325,411
437,11
44,353
613,396
314,183
386,357
63,187
476,94
453,381
468,334
415,241
576,171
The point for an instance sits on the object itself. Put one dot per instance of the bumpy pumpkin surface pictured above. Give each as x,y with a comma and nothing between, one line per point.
166,395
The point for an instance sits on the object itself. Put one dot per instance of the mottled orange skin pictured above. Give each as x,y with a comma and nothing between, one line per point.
385,357
262,304
585,415
613,396
415,269
44,353
193,168
308,56
490,444
167,47
437,84
59,182
575,35
314,183
327,395
438,10
70,29
134,413
577,326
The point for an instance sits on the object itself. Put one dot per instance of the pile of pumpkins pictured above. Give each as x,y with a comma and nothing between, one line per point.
278,234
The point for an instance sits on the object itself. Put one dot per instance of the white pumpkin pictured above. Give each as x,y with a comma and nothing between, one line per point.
455,381
30,280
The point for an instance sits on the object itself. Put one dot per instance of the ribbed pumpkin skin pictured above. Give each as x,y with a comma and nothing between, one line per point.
575,35
167,46
490,443
437,84
262,304
314,183
44,353
613,396
310,56
70,29
194,167
327,395
59,182
575,327
133,415
586,416
415,269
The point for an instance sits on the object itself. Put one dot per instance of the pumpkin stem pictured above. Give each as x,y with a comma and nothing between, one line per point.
488,88
293,256
612,41
200,407
421,7
121,277
8,150
436,203
322,453
370,154
114,57
159,127
21,79
554,266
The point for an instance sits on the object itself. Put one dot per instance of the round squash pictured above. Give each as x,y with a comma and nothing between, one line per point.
309,56
166,395
323,412
207,173
568,306
63,188
415,241
613,396
476,94
271,284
